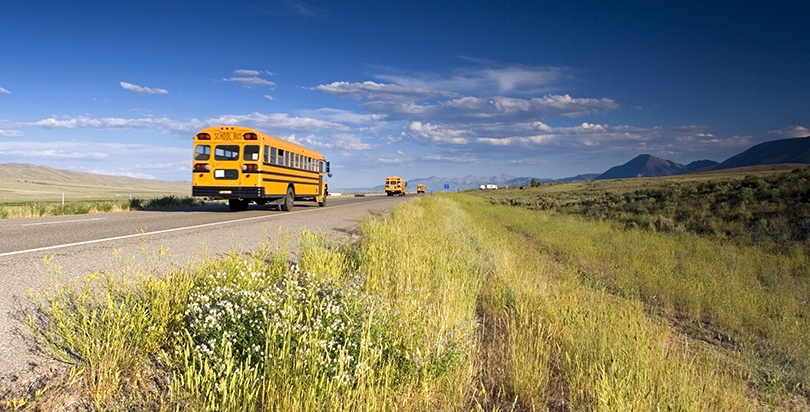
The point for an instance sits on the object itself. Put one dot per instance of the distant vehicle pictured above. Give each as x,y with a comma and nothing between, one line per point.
395,185
491,187
250,166
420,188
482,187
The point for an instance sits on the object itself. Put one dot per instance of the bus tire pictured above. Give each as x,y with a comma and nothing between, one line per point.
238,205
322,203
289,199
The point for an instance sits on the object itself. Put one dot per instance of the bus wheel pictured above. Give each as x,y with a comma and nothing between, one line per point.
288,200
322,203
238,205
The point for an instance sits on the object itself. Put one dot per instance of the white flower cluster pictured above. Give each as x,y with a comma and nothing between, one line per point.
297,323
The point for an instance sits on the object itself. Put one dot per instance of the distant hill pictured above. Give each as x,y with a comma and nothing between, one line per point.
644,166
796,150
579,178
22,181
701,165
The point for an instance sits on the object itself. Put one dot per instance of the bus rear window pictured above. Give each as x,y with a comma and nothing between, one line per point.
226,152
203,152
251,153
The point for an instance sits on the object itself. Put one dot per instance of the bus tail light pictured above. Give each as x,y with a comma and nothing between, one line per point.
250,167
203,136
250,136
202,167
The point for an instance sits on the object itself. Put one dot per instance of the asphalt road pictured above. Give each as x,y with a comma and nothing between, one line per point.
78,245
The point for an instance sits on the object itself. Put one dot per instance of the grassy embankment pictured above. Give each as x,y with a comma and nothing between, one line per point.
16,209
447,303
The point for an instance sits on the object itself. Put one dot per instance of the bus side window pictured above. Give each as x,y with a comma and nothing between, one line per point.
266,154
281,158
203,152
273,156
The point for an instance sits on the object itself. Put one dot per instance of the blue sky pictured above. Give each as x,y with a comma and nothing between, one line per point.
547,89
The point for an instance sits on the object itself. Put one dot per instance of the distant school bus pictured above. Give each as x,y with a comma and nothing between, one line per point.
395,185
244,165
420,188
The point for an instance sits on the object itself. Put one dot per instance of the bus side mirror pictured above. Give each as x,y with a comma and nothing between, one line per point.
328,173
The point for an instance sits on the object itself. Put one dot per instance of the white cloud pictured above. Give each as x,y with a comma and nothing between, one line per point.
340,116
494,109
436,134
4,91
268,97
276,121
346,141
83,122
792,131
339,141
51,154
266,122
505,79
379,91
528,139
10,133
89,150
250,82
247,72
389,159
442,158
142,90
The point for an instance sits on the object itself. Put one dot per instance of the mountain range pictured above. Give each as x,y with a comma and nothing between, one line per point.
783,151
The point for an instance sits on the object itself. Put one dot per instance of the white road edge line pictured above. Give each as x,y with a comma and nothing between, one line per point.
19,252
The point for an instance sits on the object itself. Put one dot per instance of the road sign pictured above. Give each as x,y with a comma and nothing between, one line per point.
446,185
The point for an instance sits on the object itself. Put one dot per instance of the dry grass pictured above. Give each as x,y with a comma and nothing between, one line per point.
447,303
31,183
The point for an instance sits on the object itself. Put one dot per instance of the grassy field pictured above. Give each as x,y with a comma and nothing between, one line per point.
27,182
11,210
446,303
769,207
31,191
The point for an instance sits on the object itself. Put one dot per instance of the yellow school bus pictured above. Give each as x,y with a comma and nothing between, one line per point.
246,166
420,188
395,185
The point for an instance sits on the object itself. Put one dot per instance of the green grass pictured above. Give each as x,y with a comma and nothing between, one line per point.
446,303
766,209
739,311
9,210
